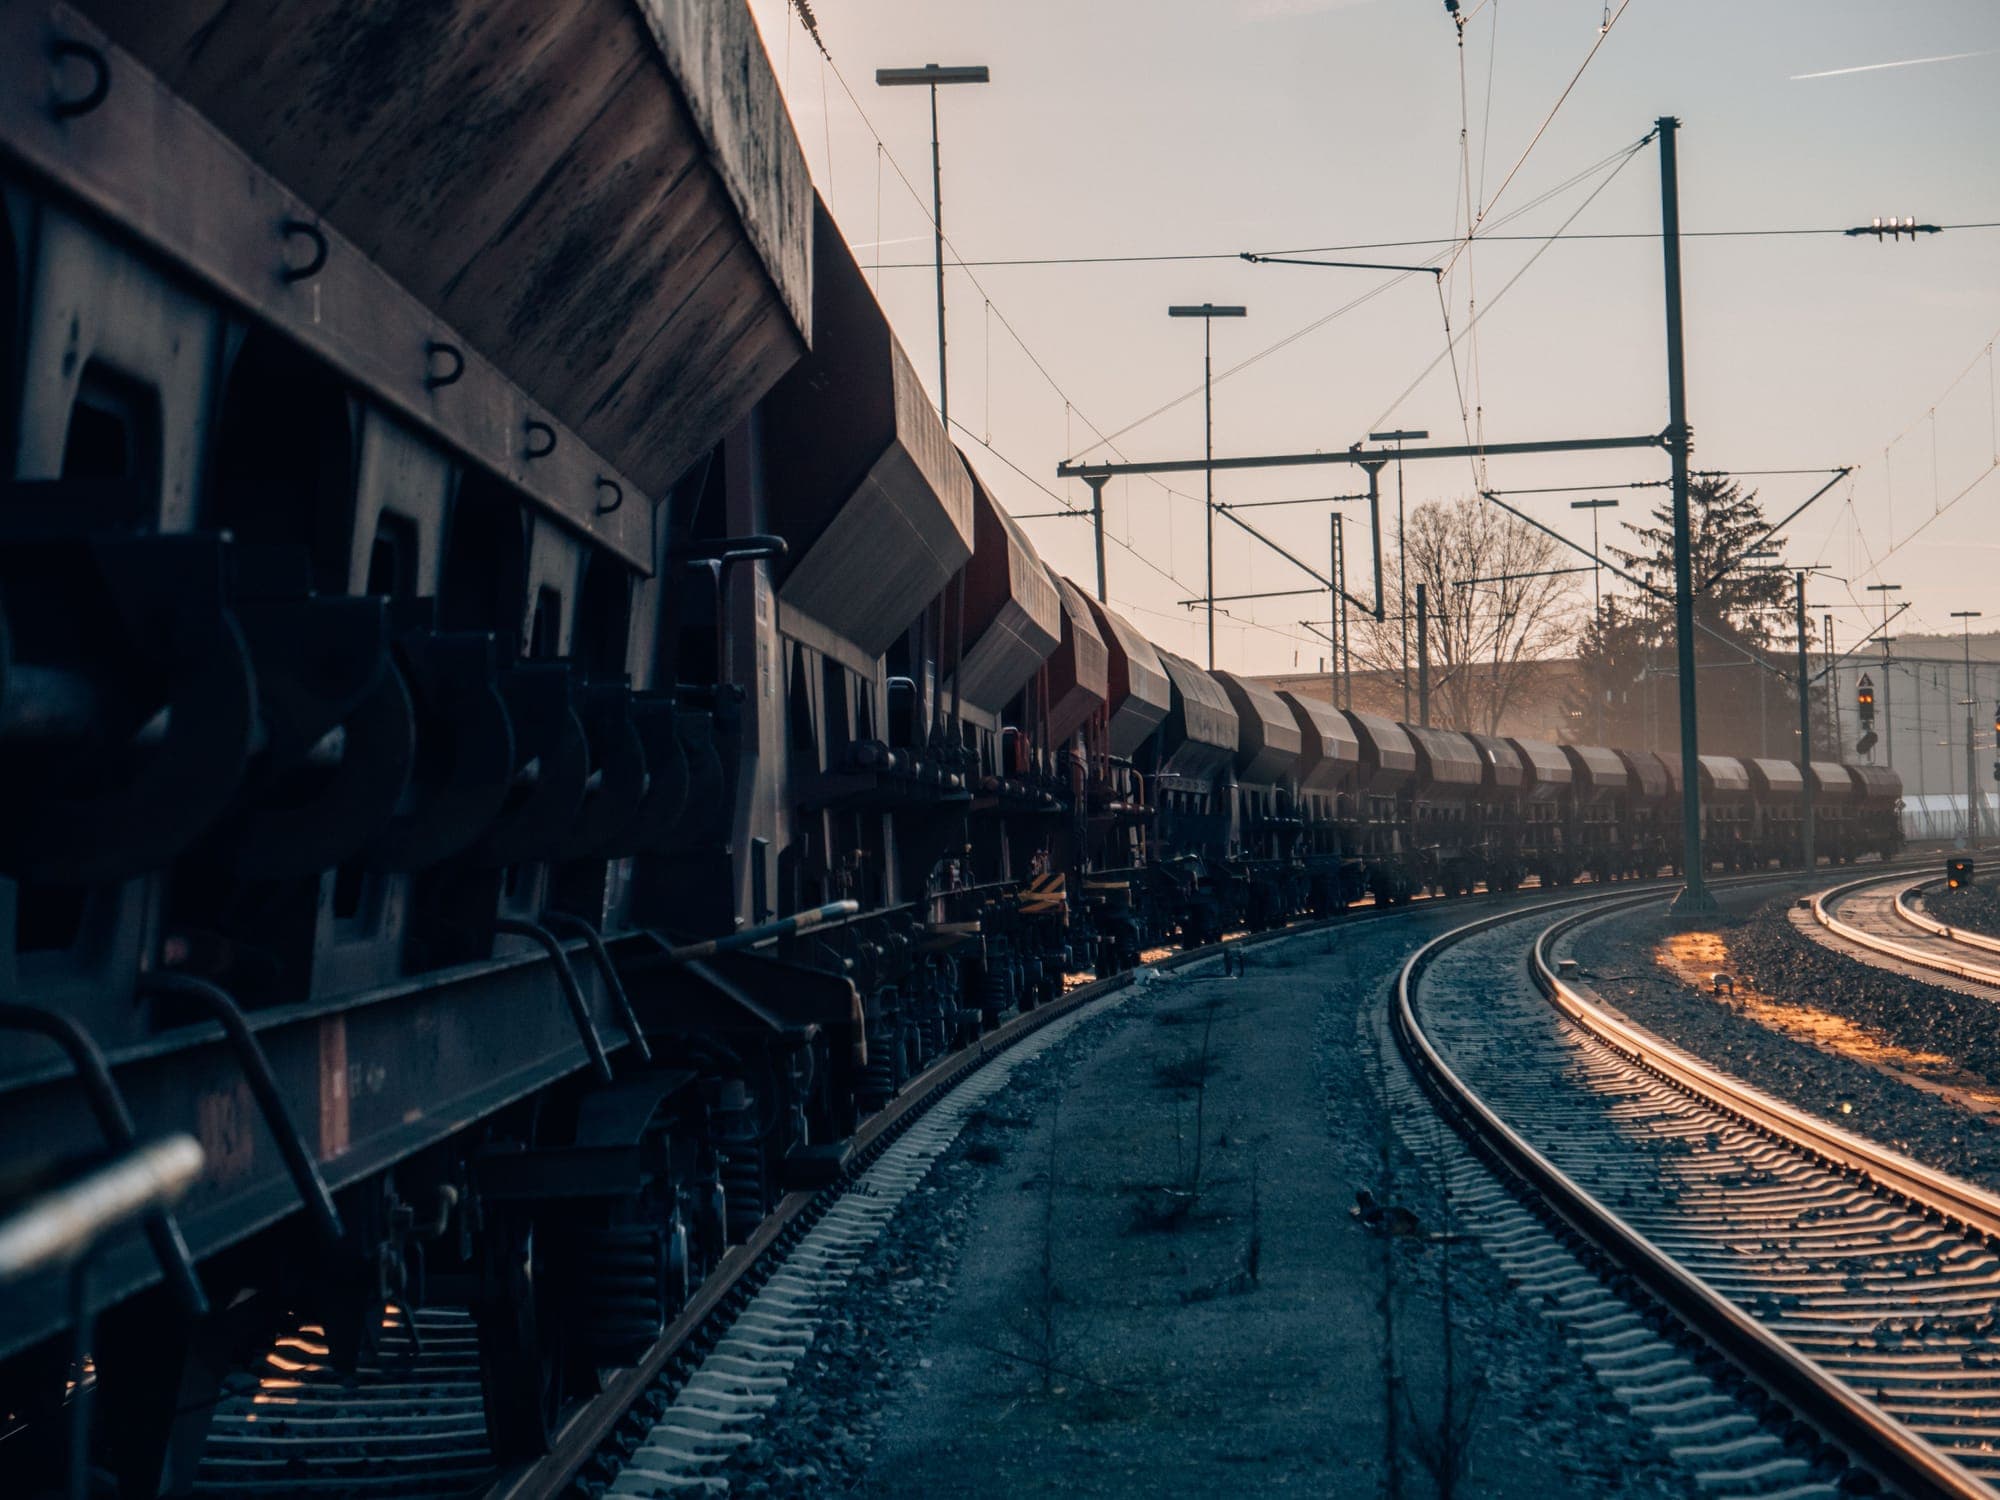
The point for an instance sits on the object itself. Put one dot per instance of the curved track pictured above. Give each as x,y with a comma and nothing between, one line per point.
294,1424
728,1349
1875,919
412,1423
1857,1288
634,1408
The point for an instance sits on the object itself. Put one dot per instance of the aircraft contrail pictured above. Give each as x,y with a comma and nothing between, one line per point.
1908,62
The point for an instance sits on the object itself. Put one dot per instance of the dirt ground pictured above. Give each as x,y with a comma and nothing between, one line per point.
1162,1287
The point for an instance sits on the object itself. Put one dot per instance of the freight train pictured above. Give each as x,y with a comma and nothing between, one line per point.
519,727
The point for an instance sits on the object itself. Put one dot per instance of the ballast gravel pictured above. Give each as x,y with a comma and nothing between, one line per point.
821,1436
1975,907
1097,1337
1766,948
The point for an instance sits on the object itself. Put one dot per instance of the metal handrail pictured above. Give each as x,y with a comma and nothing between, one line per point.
63,1225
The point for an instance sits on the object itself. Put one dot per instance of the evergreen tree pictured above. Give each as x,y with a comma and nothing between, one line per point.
1745,636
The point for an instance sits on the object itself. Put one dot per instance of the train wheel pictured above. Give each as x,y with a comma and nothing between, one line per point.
521,1360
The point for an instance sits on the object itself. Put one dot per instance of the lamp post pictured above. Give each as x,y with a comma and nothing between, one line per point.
1596,587
1208,312
1971,782
1415,435
1888,711
931,76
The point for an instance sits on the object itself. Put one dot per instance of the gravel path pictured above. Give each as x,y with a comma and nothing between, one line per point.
1910,1064
821,1436
1122,1328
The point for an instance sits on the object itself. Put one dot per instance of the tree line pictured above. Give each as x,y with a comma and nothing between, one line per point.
1501,605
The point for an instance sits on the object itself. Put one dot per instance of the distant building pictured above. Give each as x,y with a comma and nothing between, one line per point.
1921,712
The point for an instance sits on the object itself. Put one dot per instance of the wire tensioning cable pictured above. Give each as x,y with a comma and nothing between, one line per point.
1622,160
1345,308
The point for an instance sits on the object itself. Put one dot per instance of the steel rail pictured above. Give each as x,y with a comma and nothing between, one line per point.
1967,1207
1848,932
1933,926
1873,1439
587,1429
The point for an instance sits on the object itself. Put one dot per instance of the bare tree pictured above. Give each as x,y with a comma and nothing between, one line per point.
1482,633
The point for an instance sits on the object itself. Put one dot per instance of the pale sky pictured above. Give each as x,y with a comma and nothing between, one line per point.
1168,127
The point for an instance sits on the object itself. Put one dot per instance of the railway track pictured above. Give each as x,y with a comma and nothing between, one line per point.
1879,917
410,1423
673,1412
1855,1288
660,1424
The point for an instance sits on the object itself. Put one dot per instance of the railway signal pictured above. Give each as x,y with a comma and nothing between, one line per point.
1864,707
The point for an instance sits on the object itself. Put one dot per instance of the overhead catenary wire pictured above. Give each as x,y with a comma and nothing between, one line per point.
1940,506
1486,122
1356,247
1487,229
1616,161
1341,311
1070,511
956,259
1603,35
995,311
1622,158
1619,160
1471,279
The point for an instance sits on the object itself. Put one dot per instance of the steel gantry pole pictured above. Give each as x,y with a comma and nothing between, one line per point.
1694,896
1805,726
1403,587
1097,484
1340,610
1208,474
937,230
1596,587
1423,657
1413,434
1333,598
1971,779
